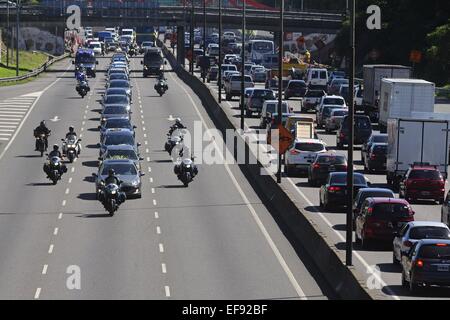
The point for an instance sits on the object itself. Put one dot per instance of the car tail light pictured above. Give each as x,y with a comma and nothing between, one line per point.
407,243
294,152
373,156
334,189
441,244
344,167
316,166
419,263
341,135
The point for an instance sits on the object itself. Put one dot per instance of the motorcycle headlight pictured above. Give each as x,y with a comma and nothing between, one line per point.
113,192
188,166
102,183
71,146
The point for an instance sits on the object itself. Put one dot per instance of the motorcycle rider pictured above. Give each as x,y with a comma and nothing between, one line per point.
177,125
72,134
55,153
162,82
113,179
42,129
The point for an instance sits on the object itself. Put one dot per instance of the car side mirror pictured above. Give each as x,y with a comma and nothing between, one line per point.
99,127
138,144
95,175
73,62
100,158
98,145
134,127
142,174
96,62
142,62
63,140
141,159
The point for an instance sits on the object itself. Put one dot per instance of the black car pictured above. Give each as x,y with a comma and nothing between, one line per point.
116,123
426,263
374,138
334,192
256,100
114,111
322,166
376,157
362,132
212,74
295,88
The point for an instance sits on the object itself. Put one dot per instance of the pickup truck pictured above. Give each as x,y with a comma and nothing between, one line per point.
233,87
311,99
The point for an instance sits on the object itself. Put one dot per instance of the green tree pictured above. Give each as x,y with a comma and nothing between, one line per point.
439,54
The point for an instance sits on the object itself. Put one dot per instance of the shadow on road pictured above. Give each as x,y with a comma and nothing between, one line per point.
176,186
90,164
87,196
40,184
30,156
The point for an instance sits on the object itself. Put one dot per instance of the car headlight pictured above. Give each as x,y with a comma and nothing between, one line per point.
102,183
135,183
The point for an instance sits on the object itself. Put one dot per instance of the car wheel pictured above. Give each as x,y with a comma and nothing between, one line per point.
364,242
441,201
413,287
394,258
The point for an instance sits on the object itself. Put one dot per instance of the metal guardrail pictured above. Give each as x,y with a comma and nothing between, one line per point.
37,71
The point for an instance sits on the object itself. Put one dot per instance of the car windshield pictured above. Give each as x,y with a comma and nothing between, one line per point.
379,149
340,113
116,99
239,78
119,84
342,179
272,108
380,138
118,76
429,232
120,169
434,251
265,94
363,123
121,154
390,210
314,94
331,160
425,174
117,123
115,110
297,85
116,139
334,101
377,194
338,82
309,146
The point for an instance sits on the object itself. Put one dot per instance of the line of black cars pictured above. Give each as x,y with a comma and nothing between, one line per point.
118,148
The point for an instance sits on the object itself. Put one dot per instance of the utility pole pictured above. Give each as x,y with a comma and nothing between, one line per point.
220,52
243,66
204,40
280,80
17,36
191,39
351,119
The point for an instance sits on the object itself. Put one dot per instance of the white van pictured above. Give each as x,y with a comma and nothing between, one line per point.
317,78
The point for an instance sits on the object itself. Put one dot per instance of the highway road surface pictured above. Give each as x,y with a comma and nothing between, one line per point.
212,240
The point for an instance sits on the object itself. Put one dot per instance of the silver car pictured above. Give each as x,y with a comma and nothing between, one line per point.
334,121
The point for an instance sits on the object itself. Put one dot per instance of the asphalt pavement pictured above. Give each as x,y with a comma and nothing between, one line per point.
212,240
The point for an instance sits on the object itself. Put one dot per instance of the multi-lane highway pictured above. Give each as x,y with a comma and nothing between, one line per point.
375,264
212,240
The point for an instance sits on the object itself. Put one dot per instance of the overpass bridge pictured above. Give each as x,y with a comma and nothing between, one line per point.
109,13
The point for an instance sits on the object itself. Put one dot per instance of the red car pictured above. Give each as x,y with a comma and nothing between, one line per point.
423,182
380,218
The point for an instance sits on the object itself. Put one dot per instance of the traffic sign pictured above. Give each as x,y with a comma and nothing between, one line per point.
415,56
284,138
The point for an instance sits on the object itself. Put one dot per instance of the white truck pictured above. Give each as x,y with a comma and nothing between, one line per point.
400,97
415,141
233,87
372,83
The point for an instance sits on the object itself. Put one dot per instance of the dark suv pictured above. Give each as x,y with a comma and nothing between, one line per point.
322,166
362,131
423,182
256,100
376,157
295,88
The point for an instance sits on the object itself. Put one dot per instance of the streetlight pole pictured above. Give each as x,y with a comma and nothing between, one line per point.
191,39
204,39
9,31
280,80
220,52
351,119
243,64
17,37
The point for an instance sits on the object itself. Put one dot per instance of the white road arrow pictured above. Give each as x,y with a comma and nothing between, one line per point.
55,119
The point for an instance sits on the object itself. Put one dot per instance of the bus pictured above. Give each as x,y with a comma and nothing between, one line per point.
258,48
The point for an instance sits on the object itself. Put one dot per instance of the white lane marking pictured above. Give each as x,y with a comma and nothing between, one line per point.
50,249
81,135
145,135
55,232
6,130
10,116
148,159
149,169
147,150
13,109
4,139
342,238
142,116
60,216
142,111
156,215
38,96
154,202
163,268
151,180
153,190
72,170
44,269
255,216
161,248
158,230
11,112
64,203
9,122
145,142
143,129
6,134
167,289
70,180
82,129
67,191
143,122
83,123
38,293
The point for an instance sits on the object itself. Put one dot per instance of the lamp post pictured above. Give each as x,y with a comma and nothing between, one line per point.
7,28
191,38
204,39
280,80
243,65
351,119
17,36
220,52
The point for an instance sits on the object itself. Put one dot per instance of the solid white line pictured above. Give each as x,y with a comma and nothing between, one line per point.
158,230
167,289
44,269
161,248
255,216
156,215
55,232
38,292
163,268
29,112
50,249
